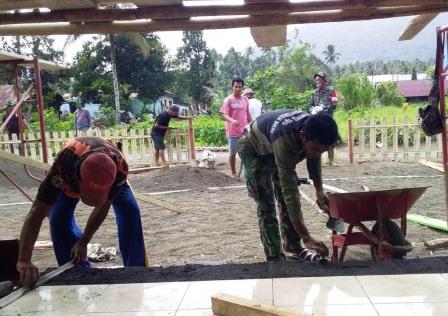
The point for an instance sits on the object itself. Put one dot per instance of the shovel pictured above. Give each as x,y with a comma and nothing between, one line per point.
335,224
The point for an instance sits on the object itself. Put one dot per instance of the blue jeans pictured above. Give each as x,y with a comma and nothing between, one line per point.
65,232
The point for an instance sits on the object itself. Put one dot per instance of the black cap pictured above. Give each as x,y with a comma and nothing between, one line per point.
174,108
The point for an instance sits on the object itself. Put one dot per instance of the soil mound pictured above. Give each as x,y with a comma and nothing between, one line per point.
181,177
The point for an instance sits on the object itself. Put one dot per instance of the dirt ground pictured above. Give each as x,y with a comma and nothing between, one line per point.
220,226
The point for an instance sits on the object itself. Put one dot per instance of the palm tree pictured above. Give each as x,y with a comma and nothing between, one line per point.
330,54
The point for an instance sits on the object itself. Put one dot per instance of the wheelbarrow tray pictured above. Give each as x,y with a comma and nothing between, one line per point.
355,207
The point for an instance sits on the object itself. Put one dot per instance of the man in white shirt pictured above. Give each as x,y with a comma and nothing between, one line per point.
254,104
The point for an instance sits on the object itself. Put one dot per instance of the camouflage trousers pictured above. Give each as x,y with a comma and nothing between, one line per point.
263,186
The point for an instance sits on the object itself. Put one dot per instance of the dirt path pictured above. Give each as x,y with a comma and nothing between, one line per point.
220,226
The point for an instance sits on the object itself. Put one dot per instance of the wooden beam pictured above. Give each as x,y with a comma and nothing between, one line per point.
269,36
186,12
228,305
436,244
433,165
24,161
185,25
416,25
173,12
152,200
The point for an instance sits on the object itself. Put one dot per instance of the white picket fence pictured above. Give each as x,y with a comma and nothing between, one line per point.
137,144
383,140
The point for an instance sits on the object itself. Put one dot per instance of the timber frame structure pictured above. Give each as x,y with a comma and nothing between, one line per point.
17,61
266,18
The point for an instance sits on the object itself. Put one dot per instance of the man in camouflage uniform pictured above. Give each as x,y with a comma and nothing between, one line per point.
269,152
323,99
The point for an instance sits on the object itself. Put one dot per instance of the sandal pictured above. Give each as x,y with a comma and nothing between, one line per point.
302,255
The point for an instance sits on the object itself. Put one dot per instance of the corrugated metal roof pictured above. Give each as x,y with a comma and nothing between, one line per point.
26,61
415,88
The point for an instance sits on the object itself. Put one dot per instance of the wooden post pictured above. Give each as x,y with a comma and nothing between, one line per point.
362,137
191,139
406,138
372,138
416,140
395,138
350,140
384,138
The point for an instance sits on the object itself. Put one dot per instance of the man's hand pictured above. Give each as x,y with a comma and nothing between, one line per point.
29,273
323,201
235,123
316,245
79,251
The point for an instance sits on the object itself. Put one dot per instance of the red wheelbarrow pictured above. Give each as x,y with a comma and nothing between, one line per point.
380,206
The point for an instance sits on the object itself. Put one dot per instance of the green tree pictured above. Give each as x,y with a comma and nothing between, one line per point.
298,68
330,55
199,65
357,91
388,95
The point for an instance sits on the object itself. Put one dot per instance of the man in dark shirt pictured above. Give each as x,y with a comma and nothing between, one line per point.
158,131
276,143
94,170
13,126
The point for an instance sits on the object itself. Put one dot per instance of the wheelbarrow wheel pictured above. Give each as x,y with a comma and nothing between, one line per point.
394,236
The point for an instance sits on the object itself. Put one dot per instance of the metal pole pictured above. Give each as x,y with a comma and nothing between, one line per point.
40,108
441,79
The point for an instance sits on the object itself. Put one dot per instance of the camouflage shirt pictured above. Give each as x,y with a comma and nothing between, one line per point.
324,97
276,133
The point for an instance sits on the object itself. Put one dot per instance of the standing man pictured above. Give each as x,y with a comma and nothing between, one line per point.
276,143
13,126
235,110
255,105
158,131
324,99
83,120
95,171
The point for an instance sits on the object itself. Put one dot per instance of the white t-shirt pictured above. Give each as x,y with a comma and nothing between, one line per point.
254,108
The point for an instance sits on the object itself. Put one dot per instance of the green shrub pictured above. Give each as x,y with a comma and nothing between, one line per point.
388,95
357,92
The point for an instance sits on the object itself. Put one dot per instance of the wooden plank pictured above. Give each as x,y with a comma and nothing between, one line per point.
362,137
428,146
145,169
133,142
24,161
214,22
32,145
165,205
372,138
228,305
384,139
142,144
405,137
436,244
416,139
416,25
432,165
395,138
